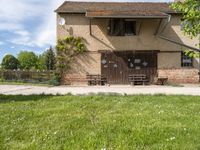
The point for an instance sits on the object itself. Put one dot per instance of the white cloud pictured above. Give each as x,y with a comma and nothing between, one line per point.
10,26
19,10
21,40
15,17
22,32
47,29
1,43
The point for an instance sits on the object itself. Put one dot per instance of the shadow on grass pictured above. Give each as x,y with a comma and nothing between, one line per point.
21,98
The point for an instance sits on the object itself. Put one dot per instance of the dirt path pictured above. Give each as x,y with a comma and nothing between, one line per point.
129,90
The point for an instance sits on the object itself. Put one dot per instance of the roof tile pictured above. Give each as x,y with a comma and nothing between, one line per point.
82,7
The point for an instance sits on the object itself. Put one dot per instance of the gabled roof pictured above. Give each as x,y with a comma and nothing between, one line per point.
83,7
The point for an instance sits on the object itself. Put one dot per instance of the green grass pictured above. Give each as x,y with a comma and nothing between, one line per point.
99,122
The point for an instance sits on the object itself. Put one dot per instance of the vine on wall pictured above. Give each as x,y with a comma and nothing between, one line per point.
67,49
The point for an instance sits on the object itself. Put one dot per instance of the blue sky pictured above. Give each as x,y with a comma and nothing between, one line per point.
31,24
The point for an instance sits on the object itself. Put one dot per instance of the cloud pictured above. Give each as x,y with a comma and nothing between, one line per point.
47,30
1,43
22,32
21,40
16,18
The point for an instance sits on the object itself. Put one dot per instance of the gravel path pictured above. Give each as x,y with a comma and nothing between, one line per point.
129,90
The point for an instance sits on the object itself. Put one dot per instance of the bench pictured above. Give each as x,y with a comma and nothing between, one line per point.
138,79
93,79
162,80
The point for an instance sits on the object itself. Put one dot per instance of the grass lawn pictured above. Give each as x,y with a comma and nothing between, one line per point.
99,122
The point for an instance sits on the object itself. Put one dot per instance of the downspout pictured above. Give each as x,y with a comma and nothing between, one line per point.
168,21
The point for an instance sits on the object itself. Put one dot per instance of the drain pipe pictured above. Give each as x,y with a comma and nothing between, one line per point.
168,21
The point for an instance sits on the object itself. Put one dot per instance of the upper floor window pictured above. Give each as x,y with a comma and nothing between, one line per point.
122,27
186,61
130,27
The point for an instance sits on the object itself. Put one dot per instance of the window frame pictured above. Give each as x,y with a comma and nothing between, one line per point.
134,24
184,64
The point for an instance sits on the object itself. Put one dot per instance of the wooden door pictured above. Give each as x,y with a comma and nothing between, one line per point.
114,68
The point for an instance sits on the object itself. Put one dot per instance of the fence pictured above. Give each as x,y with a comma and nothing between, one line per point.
26,76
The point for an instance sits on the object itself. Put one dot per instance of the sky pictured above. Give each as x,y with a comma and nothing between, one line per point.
31,24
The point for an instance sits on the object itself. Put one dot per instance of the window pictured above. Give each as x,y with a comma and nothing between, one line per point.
186,61
117,27
122,27
130,27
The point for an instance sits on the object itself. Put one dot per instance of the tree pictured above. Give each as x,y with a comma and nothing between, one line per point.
10,62
191,17
50,59
28,60
41,62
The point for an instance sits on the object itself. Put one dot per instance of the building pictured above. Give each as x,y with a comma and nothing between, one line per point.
128,38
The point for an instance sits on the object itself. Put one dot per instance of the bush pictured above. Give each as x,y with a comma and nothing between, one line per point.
2,79
55,80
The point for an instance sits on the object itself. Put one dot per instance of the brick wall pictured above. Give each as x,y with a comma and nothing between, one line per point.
73,79
180,75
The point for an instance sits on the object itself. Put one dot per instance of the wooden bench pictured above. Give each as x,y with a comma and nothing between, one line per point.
138,79
93,79
162,80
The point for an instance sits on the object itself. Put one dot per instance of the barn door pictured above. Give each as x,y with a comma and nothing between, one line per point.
114,67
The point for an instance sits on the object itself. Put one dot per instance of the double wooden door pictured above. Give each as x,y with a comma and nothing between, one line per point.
117,66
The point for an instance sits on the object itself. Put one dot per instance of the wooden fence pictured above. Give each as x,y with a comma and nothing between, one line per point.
26,76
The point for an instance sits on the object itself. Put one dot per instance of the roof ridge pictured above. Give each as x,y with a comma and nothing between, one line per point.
111,2
81,7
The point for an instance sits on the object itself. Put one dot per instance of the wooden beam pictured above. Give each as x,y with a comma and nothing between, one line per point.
158,27
178,43
90,26
139,28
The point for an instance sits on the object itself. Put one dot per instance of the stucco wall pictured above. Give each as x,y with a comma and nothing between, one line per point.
167,60
78,25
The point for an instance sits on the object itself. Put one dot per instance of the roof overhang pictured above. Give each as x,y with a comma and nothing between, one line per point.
126,14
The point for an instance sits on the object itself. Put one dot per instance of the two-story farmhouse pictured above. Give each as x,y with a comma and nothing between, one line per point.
123,39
